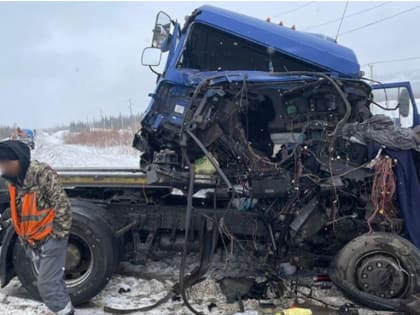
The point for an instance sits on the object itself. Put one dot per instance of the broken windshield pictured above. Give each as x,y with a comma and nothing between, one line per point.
210,49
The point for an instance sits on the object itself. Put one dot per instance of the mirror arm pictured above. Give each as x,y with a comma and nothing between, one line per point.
154,71
386,108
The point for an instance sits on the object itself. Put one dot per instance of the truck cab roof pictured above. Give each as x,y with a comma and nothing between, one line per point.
313,49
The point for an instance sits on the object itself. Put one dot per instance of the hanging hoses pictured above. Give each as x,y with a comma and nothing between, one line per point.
339,91
188,216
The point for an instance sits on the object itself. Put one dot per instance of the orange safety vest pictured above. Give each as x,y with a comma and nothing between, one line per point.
31,224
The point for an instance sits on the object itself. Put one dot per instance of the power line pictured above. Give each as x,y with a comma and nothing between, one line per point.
294,10
372,63
348,16
380,20
391,61
342,19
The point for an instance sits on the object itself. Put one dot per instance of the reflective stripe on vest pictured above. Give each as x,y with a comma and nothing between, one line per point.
30,224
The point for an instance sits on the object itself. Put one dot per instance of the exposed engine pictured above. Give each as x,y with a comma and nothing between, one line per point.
273,148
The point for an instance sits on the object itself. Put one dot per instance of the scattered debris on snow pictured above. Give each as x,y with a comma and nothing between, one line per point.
143,285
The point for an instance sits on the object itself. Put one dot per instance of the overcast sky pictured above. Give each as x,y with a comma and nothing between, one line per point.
67,61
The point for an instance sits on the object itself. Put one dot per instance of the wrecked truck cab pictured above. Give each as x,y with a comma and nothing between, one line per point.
216,55
219,44
251,122
272,121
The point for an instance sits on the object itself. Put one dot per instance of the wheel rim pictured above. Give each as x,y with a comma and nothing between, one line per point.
79,261
381,274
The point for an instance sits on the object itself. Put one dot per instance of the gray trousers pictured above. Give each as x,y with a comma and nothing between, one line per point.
50,260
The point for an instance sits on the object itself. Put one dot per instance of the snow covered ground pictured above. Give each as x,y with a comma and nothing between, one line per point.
50,148
142,285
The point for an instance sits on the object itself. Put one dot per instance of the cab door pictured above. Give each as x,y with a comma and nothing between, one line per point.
395,100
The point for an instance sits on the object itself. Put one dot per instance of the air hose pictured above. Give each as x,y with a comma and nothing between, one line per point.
188,216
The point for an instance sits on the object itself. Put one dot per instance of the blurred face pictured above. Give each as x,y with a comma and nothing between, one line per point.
9,168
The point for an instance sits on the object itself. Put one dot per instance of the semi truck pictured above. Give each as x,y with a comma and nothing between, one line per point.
257,135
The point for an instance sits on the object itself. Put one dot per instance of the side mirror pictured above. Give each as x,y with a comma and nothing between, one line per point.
151,56
404,103
161,30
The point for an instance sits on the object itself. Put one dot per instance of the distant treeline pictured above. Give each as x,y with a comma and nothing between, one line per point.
120,122
108,131
105,122
6,131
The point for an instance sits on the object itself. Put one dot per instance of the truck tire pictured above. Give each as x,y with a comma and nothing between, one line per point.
377,270
91,258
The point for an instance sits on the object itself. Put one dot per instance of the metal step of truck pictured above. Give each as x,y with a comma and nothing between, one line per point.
102,177
116,177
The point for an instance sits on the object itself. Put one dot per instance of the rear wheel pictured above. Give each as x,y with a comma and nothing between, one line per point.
90,262
377,270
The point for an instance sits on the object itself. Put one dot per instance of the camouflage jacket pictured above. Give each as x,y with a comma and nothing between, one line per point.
43,180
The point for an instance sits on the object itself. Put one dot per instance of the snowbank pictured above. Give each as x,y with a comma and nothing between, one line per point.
52,150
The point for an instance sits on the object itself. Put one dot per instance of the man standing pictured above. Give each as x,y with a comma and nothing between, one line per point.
41,216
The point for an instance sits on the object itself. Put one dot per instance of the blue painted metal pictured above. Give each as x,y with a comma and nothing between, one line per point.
315,49
403,84
158,120
29,132
173,45
311,48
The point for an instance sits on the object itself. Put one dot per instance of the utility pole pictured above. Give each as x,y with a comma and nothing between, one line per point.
131,112
131,108
102,118
121,121
371,71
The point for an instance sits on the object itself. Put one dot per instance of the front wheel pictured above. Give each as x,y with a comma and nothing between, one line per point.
90,260
377,270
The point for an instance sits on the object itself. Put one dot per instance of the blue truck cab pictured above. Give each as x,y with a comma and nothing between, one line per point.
259,138
216,45
282,123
